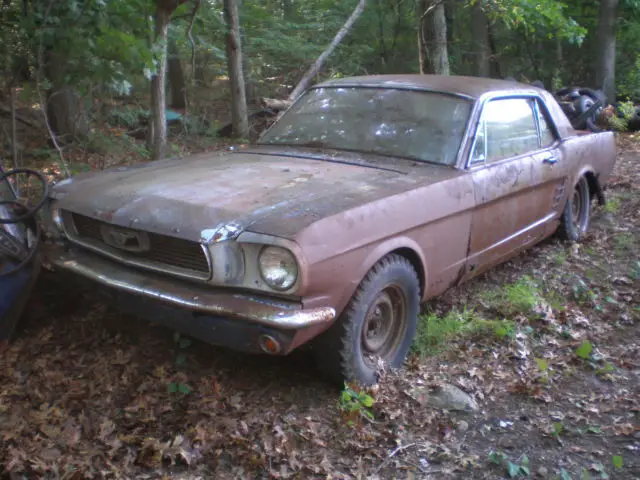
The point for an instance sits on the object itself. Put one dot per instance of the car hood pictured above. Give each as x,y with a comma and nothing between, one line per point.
260,191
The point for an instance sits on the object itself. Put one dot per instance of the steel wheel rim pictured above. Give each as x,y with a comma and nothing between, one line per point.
384,324
576,207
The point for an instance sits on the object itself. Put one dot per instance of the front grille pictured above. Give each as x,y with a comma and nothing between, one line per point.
163,250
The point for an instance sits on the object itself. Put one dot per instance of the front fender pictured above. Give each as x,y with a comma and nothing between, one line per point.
405,246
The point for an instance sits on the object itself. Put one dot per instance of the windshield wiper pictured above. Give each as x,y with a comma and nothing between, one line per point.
323,157
314,144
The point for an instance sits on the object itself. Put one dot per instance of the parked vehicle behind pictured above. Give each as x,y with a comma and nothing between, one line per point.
19,241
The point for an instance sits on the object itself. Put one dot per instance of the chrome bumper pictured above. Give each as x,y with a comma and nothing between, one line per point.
224,303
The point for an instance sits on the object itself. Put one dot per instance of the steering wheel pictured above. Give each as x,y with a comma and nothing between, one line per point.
18,244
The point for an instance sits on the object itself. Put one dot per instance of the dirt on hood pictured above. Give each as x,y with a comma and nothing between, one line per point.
259,190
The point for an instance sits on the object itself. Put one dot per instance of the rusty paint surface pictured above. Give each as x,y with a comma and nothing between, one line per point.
207,195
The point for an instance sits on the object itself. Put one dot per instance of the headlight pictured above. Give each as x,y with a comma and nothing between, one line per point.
278,267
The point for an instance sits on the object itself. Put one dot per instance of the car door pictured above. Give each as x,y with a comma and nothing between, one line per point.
516,175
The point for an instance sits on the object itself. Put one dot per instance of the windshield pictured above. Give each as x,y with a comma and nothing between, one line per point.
425,126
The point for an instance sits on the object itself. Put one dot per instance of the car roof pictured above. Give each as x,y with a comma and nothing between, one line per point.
473,87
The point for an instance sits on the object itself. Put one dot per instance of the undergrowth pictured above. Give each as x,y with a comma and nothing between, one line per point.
435,333
518,299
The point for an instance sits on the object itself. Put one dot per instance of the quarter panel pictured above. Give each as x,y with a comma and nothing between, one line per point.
590,152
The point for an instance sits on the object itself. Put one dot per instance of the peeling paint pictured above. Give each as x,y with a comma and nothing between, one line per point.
220,233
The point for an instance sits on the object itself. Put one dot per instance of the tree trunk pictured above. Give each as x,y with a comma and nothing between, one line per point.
319,63
606,49
556,79
65,109
239,118
440,54
480,33
432,38
158,130
494,55
424,60
176,77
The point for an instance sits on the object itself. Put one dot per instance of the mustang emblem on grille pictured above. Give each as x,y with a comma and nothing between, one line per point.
124,239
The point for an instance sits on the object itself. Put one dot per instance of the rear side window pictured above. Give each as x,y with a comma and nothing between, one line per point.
547,137
507,128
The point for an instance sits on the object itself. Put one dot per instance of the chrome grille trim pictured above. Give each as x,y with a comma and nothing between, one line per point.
156,264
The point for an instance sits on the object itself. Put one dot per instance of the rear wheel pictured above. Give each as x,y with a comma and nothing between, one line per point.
379,323
577,212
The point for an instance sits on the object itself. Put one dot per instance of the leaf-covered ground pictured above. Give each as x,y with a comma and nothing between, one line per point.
549,352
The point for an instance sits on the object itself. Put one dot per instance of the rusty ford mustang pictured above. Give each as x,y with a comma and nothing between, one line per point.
368,196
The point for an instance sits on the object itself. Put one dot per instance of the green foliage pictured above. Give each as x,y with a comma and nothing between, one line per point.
521,468
627,55
560,258
175,388
127,116
542,364
548,17
106,49
95,41
180,360
582,292
518,298
557,428
355,403
612,205
627,110
584,350
635,270
617,462
435,332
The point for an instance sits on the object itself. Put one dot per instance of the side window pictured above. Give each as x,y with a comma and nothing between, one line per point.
547,137
507,129
479,154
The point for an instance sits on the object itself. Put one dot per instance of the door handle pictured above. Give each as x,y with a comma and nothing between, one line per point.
551,160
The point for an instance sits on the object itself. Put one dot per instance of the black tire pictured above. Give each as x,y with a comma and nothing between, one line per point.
577,212
342,351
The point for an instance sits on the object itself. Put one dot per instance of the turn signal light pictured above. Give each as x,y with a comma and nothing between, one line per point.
269,345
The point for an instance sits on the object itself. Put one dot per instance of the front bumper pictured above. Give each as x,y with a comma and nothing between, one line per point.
201,300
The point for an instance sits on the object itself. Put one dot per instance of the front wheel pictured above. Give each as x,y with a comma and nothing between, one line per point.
379,323
577,212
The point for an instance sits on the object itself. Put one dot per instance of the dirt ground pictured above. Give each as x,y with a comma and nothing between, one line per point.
86,392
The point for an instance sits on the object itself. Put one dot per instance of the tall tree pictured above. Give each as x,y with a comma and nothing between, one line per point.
319,63
482,45
440,56
606,48
65,109
433,54
158,125
239,117
175,73
433,50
